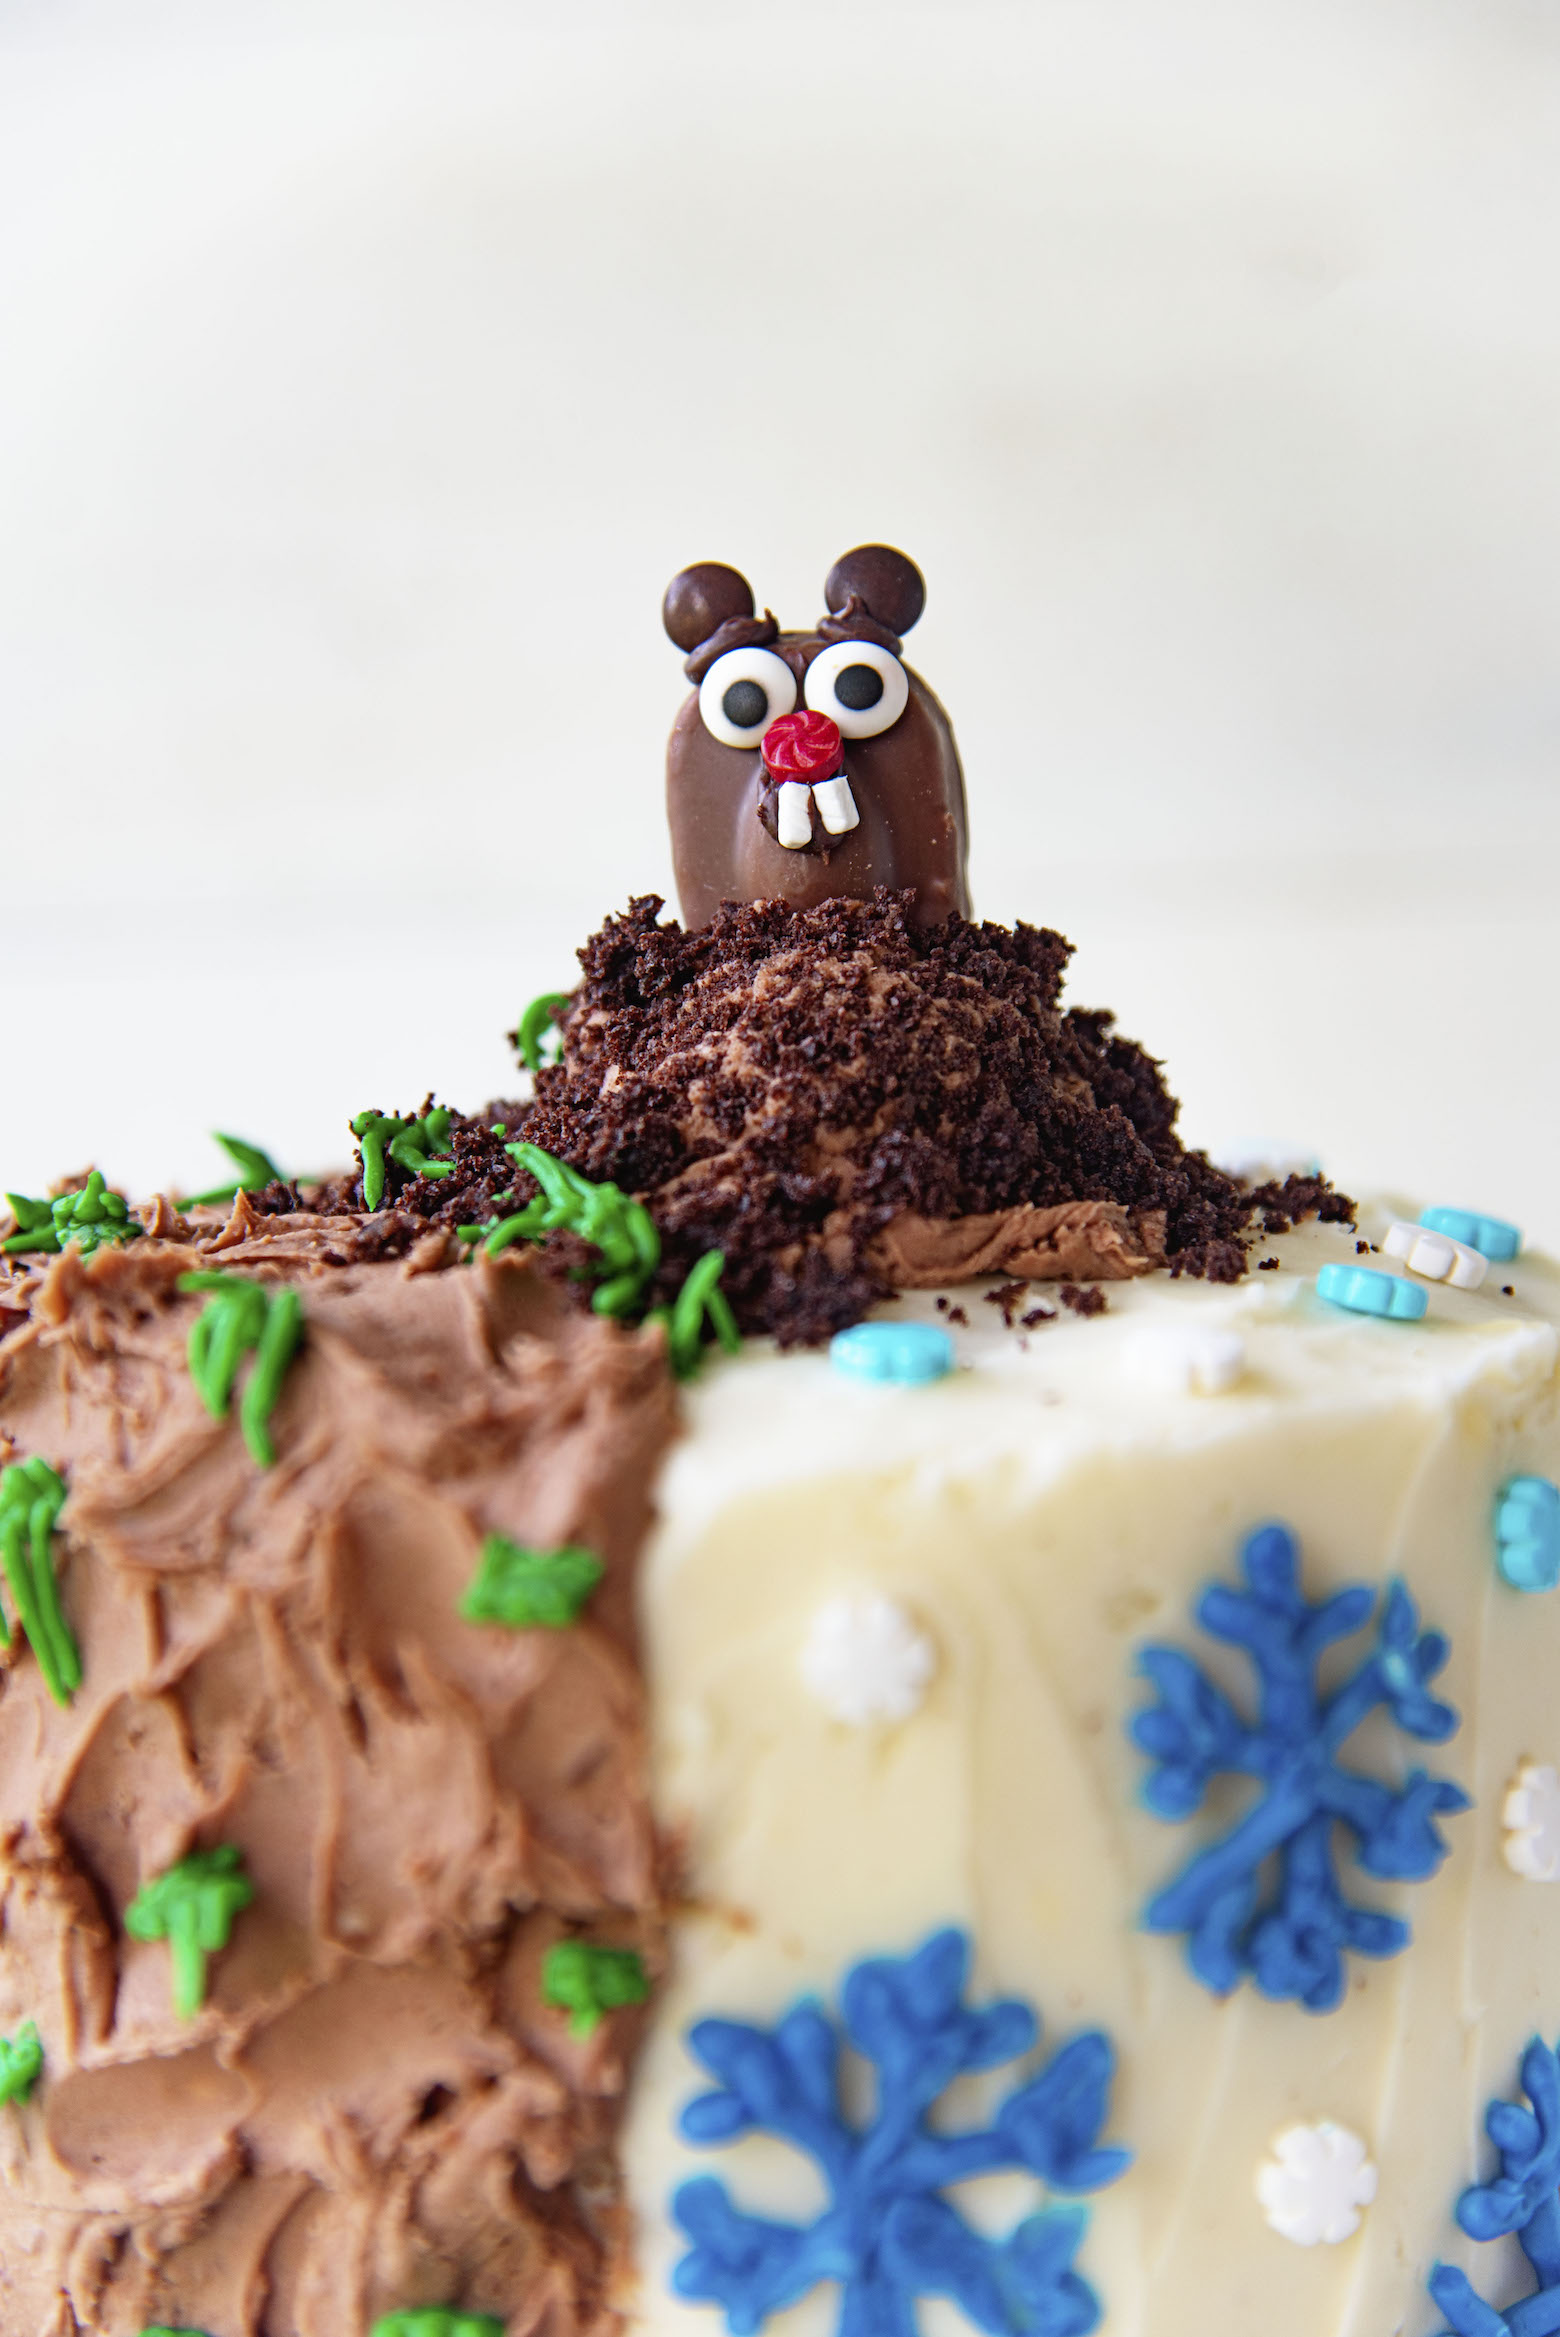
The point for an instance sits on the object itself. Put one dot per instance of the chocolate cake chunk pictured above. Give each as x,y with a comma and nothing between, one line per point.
372,2105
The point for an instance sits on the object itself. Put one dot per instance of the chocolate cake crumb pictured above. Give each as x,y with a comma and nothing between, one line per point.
1037,1314
956,1314
1266,1265
1361,1249
942,1304
1084,1298
1508,1290
1009,1296
785,1083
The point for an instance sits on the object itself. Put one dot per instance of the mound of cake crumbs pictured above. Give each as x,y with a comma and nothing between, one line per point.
843,1103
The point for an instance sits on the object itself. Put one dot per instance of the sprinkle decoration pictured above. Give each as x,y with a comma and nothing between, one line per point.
240,1316
1522,2200
1366,1292
622,1230
624,1235
1530,1819
1492,1237
193,1907
1435,1255
903,1355
888,2234
256,1170
866,1661
410,1144
1527,1533
536,1024
21,2062
698,1301
1293,1944
1186,1359
162,2331
1313,2187
81,1220
31,1498
588,1982
525,1588
438,2321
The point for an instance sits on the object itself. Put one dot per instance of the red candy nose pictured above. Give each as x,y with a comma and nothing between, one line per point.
802,746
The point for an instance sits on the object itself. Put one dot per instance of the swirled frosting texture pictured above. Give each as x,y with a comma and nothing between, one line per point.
373,2108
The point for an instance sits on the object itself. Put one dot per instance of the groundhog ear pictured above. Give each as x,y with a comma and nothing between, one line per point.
889,586
701,599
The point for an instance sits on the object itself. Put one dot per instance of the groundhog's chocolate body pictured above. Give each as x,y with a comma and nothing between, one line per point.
904,789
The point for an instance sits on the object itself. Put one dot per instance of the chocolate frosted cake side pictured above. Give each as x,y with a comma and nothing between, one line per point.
372,2104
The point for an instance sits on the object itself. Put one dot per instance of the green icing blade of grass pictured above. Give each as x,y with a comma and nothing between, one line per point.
529,1588
240,1317
628,1246
411,1144
700,1300
31,1498
536,1024
193,1907
82,1220
21,2060
586,1982
438,2321
256,1170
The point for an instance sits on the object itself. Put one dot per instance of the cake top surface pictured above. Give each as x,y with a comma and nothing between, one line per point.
1039,1388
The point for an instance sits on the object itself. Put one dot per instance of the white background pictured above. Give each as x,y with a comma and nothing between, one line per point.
365,372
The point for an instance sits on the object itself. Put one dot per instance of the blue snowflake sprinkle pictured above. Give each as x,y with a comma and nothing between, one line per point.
1527,1532
1292,1941
888,2235
1523,2198
907,1355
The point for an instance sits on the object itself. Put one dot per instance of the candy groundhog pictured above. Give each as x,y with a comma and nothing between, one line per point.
810,766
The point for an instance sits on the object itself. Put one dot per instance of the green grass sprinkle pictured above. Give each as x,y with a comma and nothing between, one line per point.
31,1498
586,1982
525,1589
81,1220
241,1317
411,1144
193,1907
438,2321
256,1170
21,2059
536,1024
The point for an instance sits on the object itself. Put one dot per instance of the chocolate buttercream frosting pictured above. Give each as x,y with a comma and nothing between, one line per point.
373,2108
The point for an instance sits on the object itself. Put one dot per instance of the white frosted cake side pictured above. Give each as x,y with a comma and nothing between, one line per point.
893,1639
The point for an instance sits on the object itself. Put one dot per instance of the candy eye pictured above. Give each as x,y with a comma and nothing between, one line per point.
861,687
744,692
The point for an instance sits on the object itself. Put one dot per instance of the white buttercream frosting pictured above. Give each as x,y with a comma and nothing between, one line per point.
1040,1513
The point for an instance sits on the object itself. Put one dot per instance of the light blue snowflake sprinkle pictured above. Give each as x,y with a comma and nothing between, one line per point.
1292,1941
1527,1533
1366,1292
888,2235
1492,1237
906,1355
1523,2198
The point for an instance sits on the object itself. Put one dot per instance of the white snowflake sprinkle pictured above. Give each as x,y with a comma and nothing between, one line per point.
1434,1255
1186,1359
1531,1817
866,1660
1316,2182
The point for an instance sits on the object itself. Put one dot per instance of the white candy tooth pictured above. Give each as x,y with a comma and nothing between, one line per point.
795,815
836,805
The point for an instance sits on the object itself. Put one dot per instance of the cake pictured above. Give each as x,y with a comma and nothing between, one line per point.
809,1677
